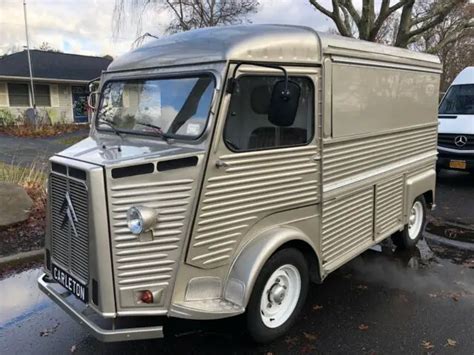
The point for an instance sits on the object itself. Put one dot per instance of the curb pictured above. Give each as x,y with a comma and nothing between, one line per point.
22,256
436,239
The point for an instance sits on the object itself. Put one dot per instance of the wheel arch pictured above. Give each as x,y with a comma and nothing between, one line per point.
253,256
422,184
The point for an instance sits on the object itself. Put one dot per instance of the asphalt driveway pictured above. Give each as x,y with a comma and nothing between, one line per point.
25,151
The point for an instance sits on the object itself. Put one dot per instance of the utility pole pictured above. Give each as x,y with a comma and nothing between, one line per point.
32,88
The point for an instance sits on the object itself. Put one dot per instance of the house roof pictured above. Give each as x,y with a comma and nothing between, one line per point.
53,65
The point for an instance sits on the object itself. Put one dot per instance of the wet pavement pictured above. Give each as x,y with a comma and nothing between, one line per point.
455,198
382,302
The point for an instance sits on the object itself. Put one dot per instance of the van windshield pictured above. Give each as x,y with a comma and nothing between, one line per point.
173,106
459,100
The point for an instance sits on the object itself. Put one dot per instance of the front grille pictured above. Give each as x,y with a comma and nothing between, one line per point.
69,240
448,140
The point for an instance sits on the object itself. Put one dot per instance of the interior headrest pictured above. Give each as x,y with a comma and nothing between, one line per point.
260,99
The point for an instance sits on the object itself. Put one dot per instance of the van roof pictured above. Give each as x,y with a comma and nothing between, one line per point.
261,43
466,76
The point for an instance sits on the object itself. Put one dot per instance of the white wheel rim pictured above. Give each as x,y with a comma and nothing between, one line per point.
415,220
280,296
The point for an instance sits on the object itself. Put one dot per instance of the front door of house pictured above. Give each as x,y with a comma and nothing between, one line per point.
79,103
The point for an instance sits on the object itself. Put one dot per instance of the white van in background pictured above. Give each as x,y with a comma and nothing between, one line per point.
456,124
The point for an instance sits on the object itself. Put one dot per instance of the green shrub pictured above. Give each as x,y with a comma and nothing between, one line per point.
6,117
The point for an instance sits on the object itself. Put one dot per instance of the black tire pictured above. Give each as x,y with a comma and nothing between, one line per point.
402,239
258,331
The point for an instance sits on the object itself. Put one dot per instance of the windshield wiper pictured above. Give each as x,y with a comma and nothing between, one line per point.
111,124
157,129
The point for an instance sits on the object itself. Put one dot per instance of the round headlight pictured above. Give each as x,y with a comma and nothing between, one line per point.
135,220
141,219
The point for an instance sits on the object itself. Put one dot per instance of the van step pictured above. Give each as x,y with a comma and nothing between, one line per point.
206,309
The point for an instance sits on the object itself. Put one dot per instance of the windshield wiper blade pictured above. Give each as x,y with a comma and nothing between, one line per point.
157,129
111,124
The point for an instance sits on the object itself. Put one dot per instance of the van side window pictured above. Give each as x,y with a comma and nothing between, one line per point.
247,126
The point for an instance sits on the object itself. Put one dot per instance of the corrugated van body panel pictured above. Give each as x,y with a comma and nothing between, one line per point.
347,224
251,186
389,206
347,158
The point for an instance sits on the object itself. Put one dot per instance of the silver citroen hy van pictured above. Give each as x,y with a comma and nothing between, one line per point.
228,167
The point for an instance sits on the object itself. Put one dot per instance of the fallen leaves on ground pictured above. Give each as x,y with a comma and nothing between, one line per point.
363,327
41,131
451,342
469,263
48,331
403,298
291,341
317,307
427,345
455,297
309,336
307,349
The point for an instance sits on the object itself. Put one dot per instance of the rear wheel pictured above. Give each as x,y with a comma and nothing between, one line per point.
278,295
411,234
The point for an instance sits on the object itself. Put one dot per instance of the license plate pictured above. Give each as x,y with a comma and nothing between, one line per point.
70,283
457,164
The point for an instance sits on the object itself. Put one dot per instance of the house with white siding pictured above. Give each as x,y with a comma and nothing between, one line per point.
60,83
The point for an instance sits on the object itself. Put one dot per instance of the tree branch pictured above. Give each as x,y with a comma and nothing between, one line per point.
322,9
349,6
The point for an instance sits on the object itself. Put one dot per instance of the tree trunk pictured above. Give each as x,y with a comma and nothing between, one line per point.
404,26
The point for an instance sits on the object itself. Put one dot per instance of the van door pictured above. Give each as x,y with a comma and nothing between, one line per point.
255,167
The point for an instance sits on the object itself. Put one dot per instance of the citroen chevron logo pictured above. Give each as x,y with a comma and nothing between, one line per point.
70,214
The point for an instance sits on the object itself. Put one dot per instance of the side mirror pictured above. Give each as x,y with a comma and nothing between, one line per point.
93,99
284,103
94,85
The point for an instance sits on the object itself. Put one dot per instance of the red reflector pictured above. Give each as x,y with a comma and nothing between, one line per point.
147,296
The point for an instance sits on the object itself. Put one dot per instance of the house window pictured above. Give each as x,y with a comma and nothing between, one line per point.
42,95
18,94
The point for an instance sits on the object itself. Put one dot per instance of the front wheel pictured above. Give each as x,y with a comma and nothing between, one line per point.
411,234
278,295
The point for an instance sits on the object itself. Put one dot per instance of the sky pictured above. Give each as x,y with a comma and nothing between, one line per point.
85,26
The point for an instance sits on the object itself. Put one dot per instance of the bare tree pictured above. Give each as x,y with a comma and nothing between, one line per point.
452,40
47,47
368,23
186,14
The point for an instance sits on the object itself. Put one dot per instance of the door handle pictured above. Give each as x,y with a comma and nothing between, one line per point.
221,164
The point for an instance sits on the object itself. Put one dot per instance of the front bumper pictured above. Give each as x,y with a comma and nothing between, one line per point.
82,317
446,155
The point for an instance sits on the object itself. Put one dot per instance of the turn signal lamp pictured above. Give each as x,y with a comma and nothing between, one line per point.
146,296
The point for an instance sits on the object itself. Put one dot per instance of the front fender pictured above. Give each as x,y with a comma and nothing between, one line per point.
248,263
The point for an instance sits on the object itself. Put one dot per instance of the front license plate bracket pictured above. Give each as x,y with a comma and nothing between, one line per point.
70,283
